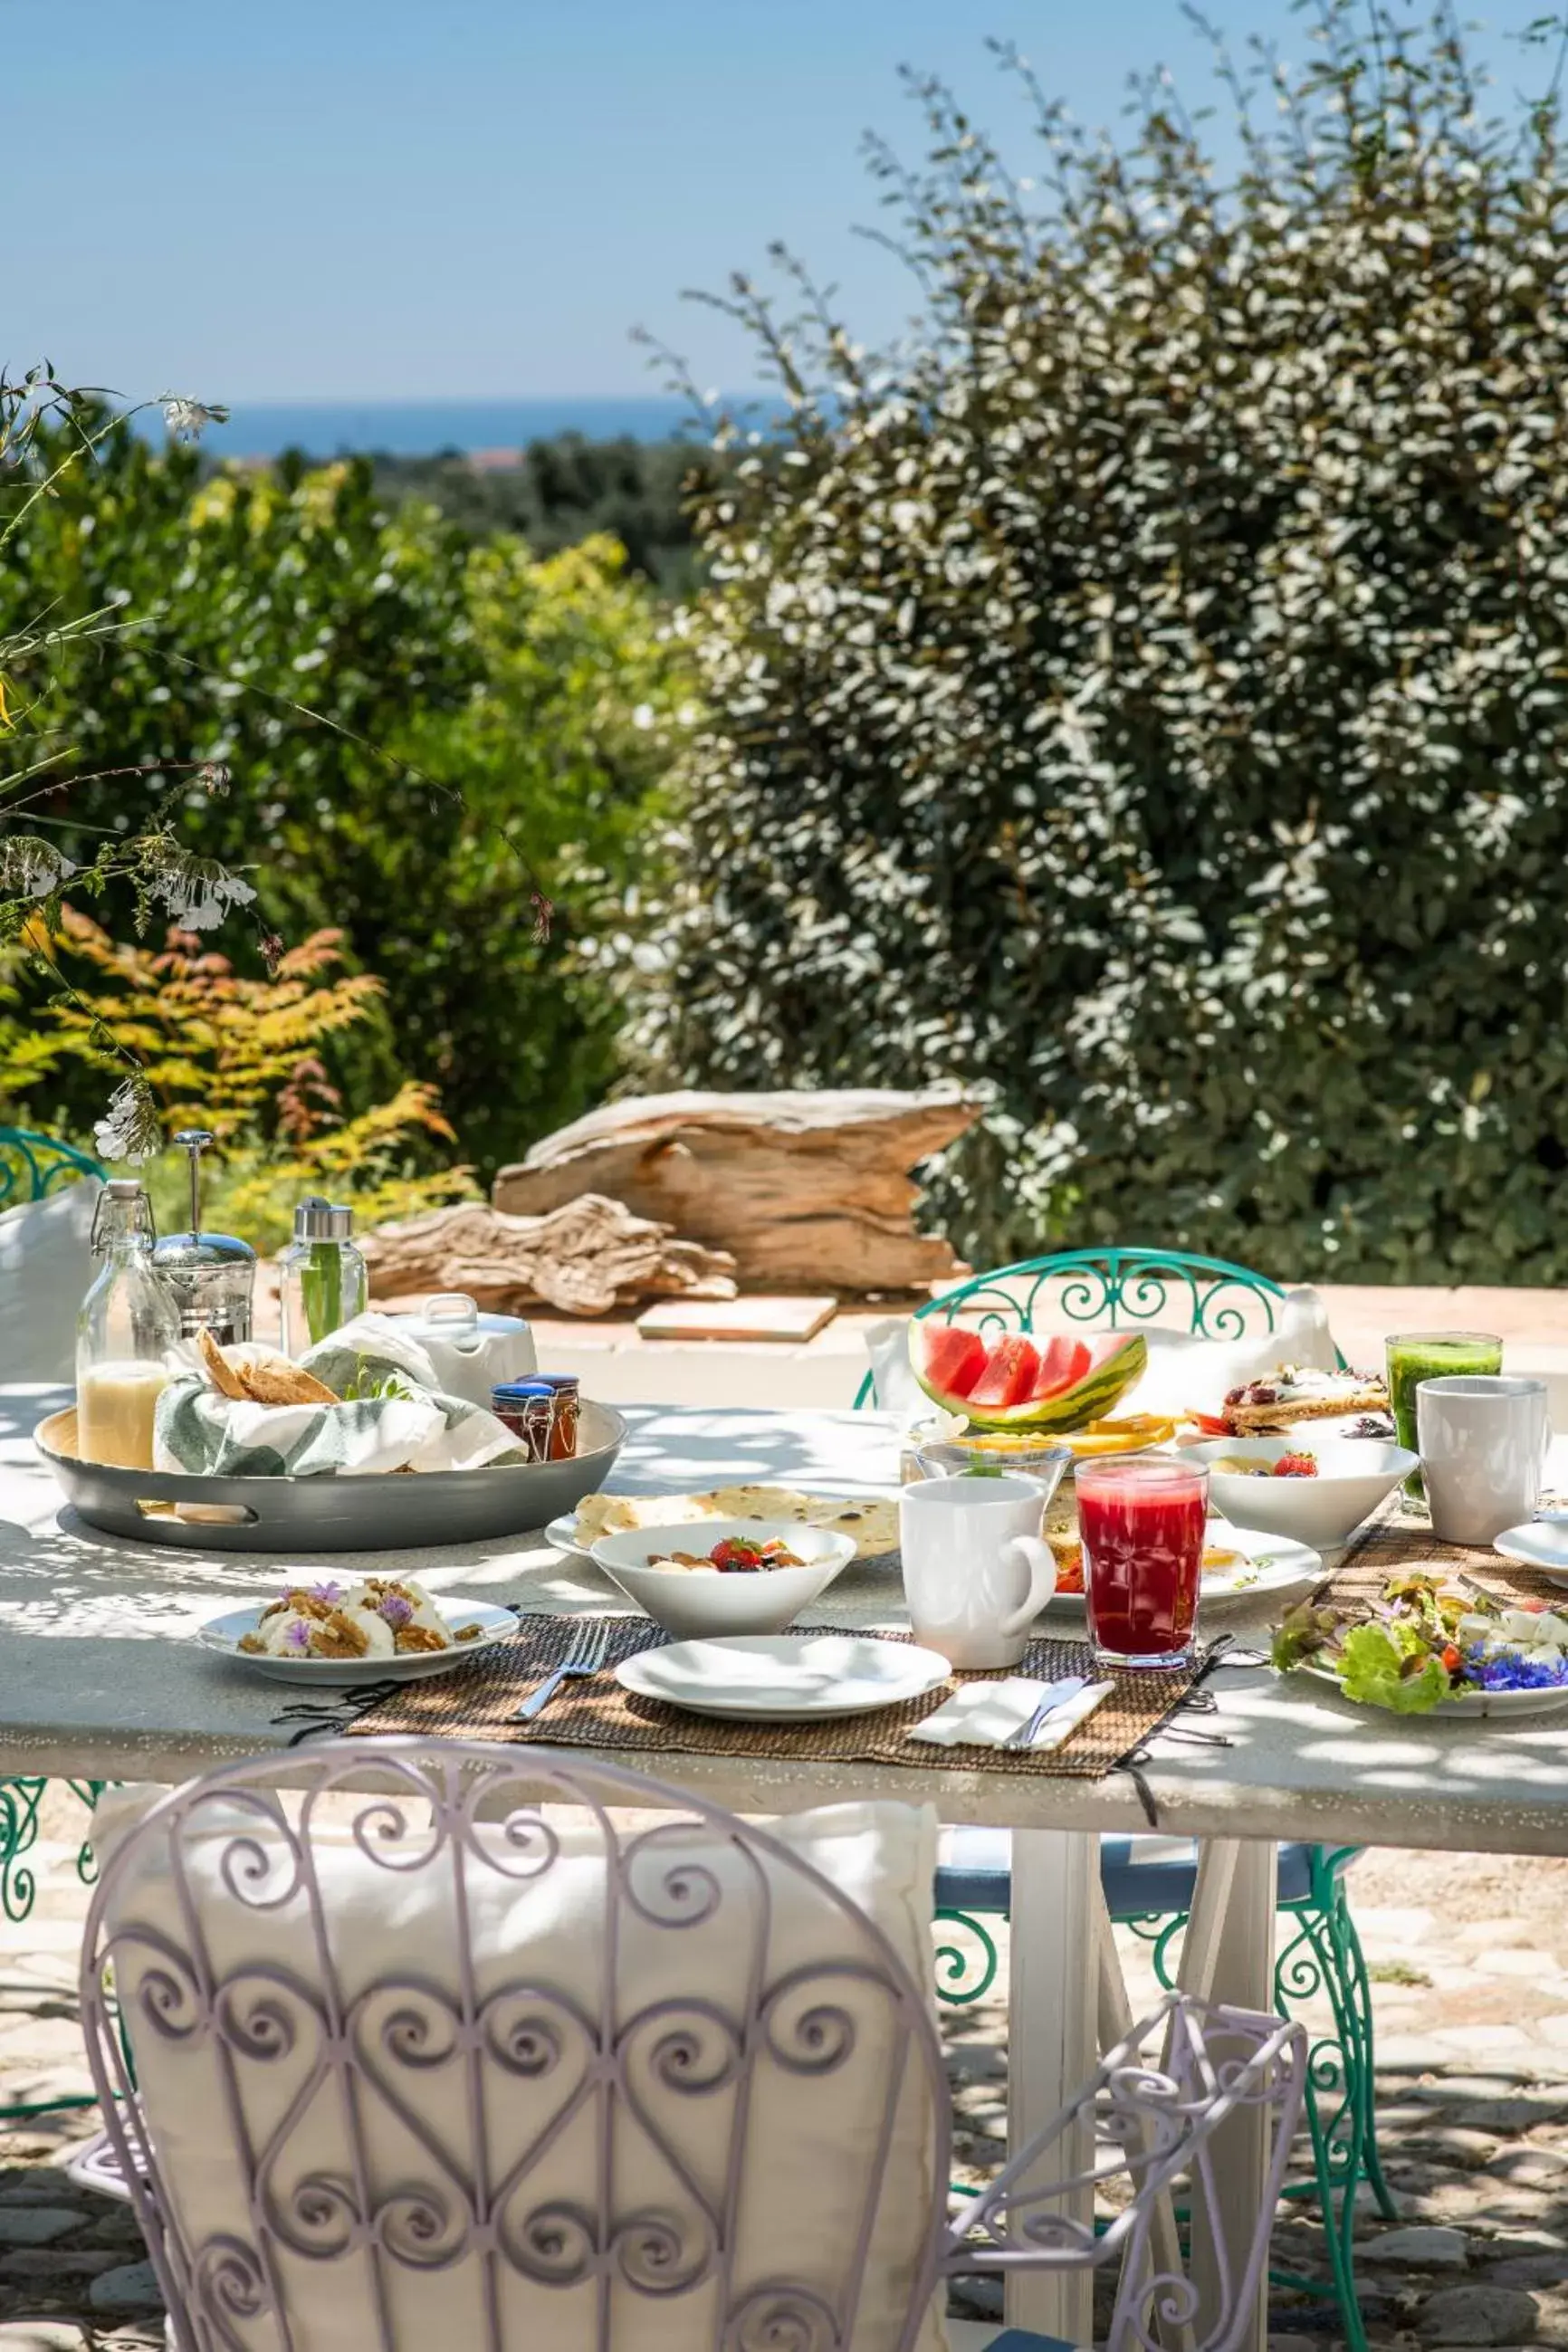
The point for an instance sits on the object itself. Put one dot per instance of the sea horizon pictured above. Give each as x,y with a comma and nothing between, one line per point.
422,428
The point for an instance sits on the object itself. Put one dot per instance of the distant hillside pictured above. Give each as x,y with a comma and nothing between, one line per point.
555,492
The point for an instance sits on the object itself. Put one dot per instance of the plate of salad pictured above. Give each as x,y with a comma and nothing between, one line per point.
1427,1648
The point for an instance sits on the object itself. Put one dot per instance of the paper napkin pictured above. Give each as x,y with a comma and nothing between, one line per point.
987,1715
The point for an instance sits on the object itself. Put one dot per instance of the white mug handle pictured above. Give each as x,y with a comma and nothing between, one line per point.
1041,1562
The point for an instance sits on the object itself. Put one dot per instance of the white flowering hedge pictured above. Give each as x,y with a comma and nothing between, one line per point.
1147,693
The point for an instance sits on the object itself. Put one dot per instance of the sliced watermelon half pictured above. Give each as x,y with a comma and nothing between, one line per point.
1008,1380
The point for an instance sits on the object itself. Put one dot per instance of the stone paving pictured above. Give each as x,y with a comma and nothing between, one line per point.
1469,1960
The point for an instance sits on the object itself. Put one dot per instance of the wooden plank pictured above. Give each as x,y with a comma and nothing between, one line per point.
737,1319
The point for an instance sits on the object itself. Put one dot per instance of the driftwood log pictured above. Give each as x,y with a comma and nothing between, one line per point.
808,1191
583,1258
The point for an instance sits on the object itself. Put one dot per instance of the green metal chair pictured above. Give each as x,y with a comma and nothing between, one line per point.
1149,1883
32,1166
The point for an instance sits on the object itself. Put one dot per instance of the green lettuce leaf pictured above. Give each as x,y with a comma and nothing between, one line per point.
1379,1668
1302,1633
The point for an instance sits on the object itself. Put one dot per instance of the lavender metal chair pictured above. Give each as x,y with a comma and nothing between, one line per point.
444,2144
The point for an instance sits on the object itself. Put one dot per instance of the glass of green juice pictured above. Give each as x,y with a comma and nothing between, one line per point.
1416,1356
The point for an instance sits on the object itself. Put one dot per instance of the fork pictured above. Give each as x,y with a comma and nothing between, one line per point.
588,1660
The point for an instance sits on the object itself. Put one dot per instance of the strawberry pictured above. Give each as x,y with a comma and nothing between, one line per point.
1296,1466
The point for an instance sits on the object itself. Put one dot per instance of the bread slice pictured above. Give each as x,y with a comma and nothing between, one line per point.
223,1376
251,1374
275,1380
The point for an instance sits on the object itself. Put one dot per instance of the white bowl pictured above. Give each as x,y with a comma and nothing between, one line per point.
694,1602
1354,1475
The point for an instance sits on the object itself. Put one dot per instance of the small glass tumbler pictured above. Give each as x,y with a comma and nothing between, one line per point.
1417,1356
1142,1522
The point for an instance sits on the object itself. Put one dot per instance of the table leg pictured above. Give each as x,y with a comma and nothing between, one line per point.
1228,1956
1052,2049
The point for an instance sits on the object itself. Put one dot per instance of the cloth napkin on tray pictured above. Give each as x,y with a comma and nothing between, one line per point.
216,1436
988,1715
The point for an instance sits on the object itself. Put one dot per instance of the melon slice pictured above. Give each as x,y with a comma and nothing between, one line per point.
1017,1383
954,1358
1011,1369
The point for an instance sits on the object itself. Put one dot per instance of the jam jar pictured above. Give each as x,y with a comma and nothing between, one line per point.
528,1408
564,1421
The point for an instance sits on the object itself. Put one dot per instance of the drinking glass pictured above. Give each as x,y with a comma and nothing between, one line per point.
1416,1356
1142,1523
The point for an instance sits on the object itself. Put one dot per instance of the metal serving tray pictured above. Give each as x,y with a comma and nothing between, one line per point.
386,1513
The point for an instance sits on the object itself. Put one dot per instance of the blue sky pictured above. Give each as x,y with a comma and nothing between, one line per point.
425,198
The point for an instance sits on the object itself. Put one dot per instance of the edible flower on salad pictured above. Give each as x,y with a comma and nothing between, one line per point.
1426,1643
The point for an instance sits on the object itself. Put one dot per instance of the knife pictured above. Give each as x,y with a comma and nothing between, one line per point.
1056,1695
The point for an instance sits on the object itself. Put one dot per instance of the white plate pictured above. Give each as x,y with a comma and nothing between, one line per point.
1541,1543
785,1677
563,1534
1272,1566
1499,1704
221,1634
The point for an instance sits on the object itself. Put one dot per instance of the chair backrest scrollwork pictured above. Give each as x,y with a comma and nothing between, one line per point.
491,2048
482,2046
1111,1289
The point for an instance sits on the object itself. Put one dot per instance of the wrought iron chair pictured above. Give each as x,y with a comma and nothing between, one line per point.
635,2160
32,1165
1149,1883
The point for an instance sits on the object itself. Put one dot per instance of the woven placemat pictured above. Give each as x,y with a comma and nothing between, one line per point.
1398,1540
480,1702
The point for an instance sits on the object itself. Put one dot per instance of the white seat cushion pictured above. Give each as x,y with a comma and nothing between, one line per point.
809,2133
46,1267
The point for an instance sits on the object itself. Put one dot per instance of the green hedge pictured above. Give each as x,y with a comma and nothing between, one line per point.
1146,691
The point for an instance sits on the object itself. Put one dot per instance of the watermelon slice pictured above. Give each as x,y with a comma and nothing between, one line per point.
1011,1369
1008,1380
954,1358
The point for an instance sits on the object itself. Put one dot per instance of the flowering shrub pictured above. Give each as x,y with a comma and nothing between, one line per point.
1143,691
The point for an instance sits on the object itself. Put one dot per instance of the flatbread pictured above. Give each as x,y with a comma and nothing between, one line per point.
1275,1420
872,1520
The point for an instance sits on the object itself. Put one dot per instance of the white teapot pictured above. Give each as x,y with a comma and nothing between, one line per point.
472,1353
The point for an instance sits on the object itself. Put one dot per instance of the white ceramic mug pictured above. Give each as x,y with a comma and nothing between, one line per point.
1483,1438
976,1574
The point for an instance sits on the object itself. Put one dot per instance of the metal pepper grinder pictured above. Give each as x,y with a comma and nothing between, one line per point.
210,1276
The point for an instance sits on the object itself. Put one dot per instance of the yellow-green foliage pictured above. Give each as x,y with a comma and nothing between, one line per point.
241,1056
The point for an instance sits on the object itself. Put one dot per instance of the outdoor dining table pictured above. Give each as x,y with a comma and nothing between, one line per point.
99,1681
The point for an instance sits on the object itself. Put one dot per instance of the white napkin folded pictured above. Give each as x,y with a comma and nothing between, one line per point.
987,1715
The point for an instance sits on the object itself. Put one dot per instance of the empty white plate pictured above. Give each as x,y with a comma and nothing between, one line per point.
1539,1543
785,1677
223,1634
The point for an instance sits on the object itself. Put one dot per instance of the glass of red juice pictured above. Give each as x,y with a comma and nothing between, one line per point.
1142,1523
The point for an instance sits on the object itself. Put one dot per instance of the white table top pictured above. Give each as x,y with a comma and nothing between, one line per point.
96,1681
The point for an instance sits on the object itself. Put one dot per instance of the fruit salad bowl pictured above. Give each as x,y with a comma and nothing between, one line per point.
1322,1505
